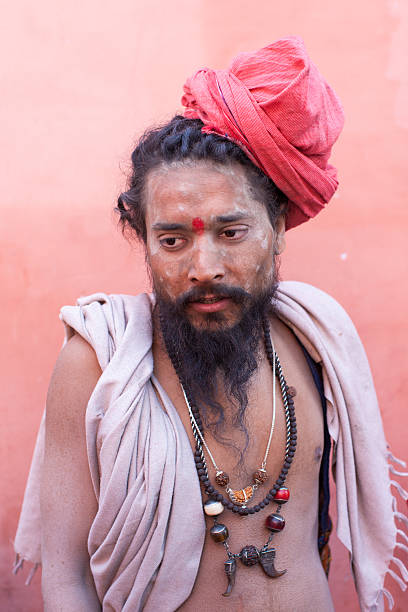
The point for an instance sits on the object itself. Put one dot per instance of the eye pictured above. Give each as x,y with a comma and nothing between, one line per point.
234,233
171,243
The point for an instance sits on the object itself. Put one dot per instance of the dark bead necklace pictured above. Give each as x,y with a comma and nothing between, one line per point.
249,555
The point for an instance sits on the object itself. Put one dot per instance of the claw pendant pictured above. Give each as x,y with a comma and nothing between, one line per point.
230,567
267,560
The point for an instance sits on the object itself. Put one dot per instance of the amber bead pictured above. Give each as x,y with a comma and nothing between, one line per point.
222,479
260,476
275,522
219,532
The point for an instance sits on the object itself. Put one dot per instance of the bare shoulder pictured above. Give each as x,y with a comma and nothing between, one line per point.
68,501
78,356
74,378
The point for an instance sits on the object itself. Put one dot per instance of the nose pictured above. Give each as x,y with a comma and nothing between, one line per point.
206,264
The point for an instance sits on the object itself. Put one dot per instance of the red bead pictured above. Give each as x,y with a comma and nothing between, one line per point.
282,495
275,522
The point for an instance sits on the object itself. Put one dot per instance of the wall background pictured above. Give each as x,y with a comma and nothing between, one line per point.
80,82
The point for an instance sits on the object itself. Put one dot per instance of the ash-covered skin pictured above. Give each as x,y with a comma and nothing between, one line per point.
237,246
212,287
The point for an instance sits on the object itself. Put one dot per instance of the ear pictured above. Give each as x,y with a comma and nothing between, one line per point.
280,242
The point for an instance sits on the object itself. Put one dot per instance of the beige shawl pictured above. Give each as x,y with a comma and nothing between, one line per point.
146,540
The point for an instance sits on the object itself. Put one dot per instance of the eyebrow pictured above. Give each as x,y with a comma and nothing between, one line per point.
170,227
231,218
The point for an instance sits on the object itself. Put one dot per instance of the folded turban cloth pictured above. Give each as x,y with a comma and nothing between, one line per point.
279,109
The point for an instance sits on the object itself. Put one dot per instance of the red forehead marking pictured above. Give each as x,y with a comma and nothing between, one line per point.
198,225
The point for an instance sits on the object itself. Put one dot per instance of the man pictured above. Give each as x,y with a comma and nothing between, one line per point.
208,394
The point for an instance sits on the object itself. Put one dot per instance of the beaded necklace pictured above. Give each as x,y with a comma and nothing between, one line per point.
242,496
237,502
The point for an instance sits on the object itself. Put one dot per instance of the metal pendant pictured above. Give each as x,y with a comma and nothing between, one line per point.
267,560
230,567
249,555
242,496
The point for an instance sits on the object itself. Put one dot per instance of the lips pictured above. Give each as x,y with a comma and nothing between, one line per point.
211,303
210,300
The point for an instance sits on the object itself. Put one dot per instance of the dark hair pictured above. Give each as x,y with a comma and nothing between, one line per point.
178,140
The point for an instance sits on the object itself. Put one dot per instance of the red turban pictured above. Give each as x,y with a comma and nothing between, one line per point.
278,108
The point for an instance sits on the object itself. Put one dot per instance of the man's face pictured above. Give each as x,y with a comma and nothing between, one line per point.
206,237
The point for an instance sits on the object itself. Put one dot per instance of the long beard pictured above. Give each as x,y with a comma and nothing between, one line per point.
227,356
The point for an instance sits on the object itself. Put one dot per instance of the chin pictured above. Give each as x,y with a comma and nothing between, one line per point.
213,321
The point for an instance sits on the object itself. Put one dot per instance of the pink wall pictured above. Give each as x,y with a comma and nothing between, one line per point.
82,80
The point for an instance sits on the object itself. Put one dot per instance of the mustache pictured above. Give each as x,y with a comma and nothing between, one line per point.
236,294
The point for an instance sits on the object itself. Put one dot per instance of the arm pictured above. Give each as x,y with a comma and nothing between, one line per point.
68,503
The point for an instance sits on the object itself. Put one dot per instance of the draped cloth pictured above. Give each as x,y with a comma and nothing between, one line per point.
277,107
146,540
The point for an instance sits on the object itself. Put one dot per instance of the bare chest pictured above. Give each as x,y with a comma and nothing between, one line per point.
296,546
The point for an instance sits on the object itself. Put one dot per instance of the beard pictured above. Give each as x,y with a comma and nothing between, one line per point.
216,355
